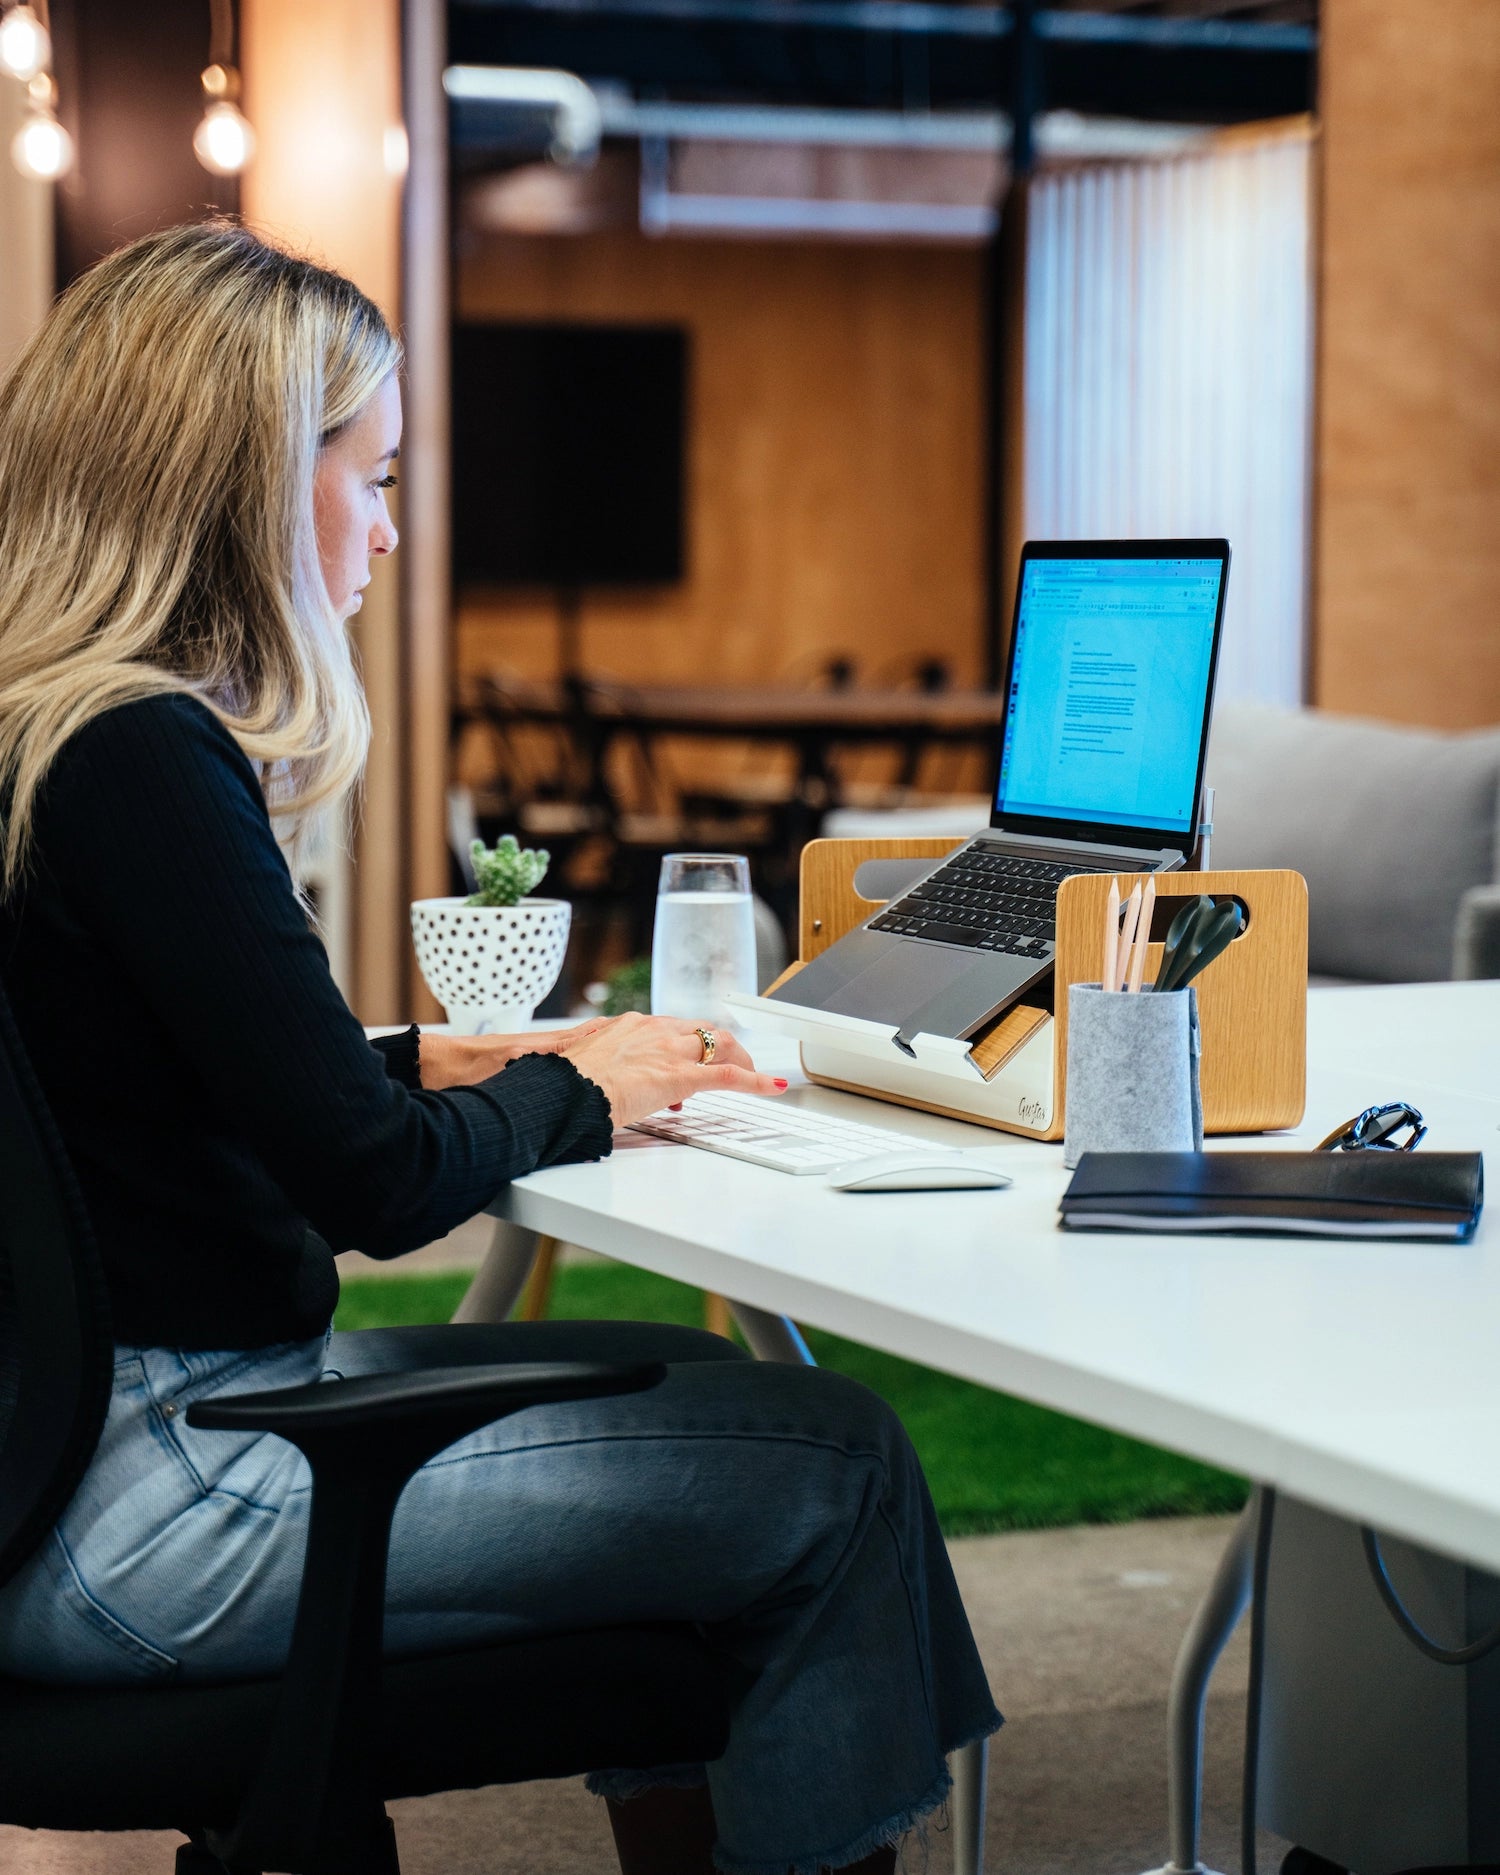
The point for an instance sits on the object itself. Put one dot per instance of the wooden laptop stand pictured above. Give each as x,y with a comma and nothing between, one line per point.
1252,1003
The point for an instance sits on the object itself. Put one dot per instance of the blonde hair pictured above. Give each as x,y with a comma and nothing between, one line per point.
158,438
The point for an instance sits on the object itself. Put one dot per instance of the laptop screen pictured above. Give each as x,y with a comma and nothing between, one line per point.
1111,671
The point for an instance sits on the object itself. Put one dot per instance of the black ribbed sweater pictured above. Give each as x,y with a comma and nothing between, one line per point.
230,1125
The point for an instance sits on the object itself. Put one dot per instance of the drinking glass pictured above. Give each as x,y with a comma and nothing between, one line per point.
704,943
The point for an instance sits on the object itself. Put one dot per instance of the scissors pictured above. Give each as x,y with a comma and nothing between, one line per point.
1199,932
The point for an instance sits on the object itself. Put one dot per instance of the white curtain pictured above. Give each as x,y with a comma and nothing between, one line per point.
1168,374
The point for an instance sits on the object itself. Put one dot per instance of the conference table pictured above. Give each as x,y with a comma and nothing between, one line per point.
1358,1376
812,723
770,712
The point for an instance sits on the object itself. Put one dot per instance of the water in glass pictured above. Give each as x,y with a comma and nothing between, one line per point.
704,943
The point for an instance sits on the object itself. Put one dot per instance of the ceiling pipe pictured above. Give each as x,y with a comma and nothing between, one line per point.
574,110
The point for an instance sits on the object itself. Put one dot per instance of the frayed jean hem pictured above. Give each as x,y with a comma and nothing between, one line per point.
987,1730
884,1835
622,1785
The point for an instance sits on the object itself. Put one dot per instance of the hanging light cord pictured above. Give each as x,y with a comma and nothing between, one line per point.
221,32
41,9
1444,1656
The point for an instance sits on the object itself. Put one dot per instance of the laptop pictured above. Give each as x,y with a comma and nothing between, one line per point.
1109,683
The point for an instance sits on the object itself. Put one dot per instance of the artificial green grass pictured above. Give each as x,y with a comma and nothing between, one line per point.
993,1462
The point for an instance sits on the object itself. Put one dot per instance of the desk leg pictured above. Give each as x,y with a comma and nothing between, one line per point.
501,1277
778,1338
771,1337
970,1768
1216,1618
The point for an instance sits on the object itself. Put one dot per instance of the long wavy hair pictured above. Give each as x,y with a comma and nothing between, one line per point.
158,438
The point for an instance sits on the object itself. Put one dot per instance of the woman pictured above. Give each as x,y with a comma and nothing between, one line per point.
193,457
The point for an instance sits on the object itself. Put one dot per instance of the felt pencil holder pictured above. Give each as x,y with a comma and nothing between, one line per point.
1132,1072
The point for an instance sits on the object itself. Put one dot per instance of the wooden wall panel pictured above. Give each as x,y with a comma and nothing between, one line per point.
322,85
836,455
1408,497
25,237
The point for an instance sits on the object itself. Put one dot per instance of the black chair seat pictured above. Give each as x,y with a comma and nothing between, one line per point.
292,1773
180,1757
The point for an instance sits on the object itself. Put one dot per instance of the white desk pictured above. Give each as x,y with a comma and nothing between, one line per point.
1360,1376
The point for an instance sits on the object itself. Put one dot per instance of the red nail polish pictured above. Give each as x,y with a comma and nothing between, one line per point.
781,1083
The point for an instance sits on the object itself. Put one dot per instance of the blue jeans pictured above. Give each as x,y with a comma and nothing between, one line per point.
782,1508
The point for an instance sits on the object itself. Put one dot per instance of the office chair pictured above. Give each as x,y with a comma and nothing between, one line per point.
292,1773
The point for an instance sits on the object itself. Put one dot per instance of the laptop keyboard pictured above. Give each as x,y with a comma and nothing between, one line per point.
988,900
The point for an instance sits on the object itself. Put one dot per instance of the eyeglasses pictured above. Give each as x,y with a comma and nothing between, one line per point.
1377,1129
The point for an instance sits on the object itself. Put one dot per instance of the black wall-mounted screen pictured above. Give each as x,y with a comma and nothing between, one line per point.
568,454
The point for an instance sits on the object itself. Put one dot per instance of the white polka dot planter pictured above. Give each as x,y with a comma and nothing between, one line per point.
490,965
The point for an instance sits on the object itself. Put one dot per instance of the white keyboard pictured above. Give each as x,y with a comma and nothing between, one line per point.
768,1132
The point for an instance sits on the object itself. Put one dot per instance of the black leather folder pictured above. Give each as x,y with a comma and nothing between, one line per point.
1436,1195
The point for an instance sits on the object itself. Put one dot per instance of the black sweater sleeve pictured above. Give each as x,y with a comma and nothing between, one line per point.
401,1055
157,835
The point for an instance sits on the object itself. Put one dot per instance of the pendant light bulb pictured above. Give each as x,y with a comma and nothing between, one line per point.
224,141
25,47
41,148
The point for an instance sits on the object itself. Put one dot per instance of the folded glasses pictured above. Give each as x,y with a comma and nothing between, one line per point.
1378,1129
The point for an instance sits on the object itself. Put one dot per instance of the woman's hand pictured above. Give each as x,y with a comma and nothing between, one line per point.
644,1063
461,1060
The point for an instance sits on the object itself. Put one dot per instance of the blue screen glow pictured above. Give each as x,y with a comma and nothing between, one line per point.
1108,689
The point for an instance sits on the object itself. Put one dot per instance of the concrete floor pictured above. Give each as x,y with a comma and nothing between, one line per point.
1078,1629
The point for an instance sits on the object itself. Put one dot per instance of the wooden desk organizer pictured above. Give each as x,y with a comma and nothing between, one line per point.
1252,1003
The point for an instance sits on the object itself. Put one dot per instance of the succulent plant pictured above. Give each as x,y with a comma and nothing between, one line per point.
507,871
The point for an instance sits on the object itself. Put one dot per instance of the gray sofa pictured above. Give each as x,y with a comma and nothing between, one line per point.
1397,832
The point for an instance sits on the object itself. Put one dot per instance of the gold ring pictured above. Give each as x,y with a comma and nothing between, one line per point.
710,1043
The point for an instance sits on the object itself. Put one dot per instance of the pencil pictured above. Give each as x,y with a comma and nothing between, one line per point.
1107,977
1142,937
1127,936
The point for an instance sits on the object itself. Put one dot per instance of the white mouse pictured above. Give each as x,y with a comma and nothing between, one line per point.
915,1170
